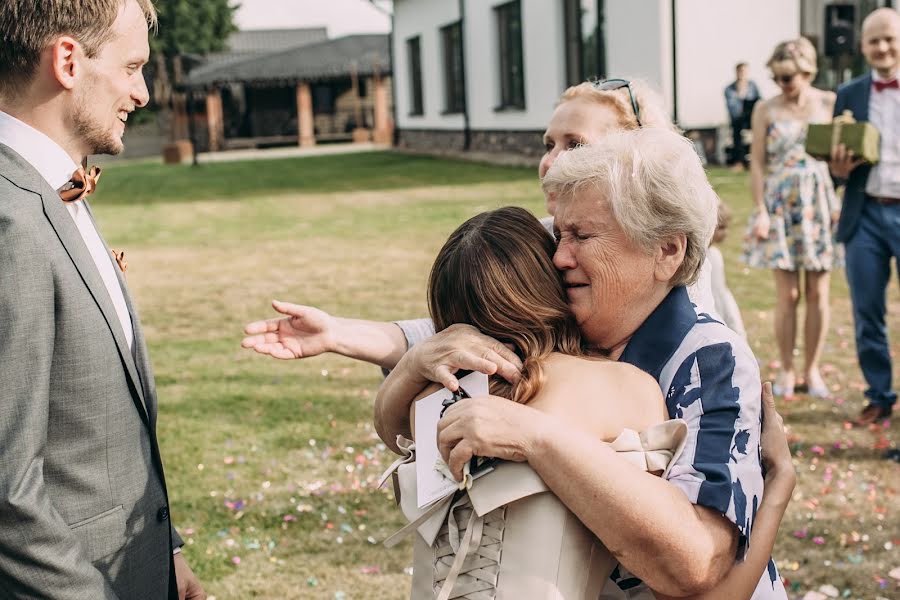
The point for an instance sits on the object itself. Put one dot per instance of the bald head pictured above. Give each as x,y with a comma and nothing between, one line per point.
881,15
881,41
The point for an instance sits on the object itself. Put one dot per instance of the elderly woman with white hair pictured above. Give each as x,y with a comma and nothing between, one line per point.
634,215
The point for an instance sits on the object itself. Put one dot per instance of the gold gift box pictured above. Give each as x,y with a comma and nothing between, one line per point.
860,138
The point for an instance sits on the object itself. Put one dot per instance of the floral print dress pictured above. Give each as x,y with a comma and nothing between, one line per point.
802,205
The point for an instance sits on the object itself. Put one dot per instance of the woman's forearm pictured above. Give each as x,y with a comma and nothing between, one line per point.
393,400
376,342
757,185
648,524
740,582
758,130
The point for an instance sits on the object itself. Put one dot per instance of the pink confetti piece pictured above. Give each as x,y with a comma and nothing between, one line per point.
818,540
236,560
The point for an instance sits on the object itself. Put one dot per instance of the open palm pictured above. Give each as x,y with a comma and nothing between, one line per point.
305,331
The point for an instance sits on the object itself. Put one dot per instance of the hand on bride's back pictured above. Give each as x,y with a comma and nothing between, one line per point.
462,347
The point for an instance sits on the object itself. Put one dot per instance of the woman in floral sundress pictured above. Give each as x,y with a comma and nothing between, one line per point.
796,205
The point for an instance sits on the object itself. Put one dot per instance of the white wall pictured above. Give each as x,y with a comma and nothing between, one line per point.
713,36
543,61
638,42
423,18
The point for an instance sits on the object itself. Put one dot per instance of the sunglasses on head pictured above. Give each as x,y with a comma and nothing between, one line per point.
609,85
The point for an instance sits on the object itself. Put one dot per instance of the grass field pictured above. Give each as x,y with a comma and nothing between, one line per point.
271,465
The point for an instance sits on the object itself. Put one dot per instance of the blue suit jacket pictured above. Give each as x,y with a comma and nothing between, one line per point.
854,96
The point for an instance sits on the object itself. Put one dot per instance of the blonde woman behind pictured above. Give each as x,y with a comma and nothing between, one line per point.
795,206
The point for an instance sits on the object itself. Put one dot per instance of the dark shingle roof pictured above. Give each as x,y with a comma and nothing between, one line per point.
271,40
251,43
320,60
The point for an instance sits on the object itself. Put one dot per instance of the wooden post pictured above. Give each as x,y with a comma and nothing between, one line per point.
360,133
382,133
306,135
215,120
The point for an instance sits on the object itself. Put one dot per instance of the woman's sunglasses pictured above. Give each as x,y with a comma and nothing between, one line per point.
785,79
609,85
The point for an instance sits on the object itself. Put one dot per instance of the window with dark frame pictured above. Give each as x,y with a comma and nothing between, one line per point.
414,55
512,73
454,83
585,43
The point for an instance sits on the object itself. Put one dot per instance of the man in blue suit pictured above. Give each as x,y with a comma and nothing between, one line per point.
870,219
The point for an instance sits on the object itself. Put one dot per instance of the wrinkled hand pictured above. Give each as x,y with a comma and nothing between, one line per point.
189,587
843,161
462,347
489,426
305,332
761,225
776,455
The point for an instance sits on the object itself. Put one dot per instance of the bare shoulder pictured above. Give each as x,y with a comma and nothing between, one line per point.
827,99
604,376
600,396
761,111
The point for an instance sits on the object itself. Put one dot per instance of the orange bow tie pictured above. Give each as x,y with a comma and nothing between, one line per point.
81,185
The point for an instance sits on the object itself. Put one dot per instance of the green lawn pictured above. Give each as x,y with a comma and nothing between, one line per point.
271,465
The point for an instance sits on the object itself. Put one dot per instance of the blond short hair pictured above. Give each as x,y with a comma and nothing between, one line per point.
800,51
650,102
27,27
655,185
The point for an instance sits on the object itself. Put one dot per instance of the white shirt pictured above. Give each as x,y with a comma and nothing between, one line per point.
884,114
56,167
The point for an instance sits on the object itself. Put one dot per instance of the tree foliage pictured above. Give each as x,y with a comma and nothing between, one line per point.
192,26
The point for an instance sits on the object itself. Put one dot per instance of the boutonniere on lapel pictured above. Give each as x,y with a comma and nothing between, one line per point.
120,260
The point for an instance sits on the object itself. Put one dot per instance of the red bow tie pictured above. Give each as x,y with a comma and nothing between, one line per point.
885,85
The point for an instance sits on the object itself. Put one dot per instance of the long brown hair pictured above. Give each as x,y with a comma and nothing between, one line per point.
496,273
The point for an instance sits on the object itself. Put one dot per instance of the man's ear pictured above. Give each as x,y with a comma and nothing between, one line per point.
65,56
669,256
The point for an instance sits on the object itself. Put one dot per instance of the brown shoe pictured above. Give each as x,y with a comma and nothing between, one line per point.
873,413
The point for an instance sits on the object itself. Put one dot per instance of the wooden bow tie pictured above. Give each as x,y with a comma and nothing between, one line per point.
81,185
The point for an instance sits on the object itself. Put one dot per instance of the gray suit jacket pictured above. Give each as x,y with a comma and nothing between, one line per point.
83,504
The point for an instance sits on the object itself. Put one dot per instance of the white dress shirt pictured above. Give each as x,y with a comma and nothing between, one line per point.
56,167
884,114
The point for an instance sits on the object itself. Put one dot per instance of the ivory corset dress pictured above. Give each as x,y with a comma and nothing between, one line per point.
507,536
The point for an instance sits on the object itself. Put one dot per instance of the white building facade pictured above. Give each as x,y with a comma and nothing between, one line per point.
485,75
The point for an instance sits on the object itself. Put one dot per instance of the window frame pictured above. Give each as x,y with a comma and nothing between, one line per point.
510,55
416,91
576,70
454,69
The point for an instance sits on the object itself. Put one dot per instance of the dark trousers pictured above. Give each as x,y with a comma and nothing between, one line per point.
738,150
868,255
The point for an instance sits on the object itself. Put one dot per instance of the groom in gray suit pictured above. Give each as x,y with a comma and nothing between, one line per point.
84,512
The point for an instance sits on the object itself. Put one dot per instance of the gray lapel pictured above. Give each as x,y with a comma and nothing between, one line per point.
24,175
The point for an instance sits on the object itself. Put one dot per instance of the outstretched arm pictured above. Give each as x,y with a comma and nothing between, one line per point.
306,331
742,579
